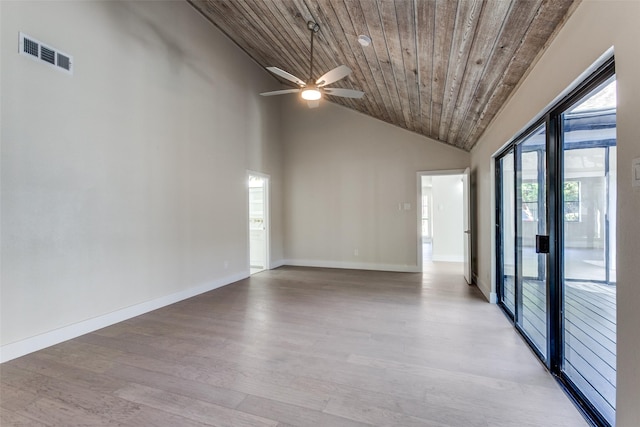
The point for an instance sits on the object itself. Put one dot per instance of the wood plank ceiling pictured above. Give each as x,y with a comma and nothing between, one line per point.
440,68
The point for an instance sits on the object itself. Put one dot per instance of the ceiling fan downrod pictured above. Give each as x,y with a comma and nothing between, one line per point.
314,28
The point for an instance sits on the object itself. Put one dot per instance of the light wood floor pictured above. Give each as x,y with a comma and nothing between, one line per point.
297,347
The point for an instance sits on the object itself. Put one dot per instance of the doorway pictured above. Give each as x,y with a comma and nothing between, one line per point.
443,218
258,197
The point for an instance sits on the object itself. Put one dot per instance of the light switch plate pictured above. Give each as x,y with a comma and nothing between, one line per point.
635,172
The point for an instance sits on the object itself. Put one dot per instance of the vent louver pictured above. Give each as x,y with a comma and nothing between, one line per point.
30,47
64,62
48,55
40,52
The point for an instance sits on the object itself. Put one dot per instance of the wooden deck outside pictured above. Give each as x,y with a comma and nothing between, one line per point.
590,335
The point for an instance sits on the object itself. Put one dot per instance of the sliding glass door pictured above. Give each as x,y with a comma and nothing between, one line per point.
521,215
588,242
506,219
531,206
555,219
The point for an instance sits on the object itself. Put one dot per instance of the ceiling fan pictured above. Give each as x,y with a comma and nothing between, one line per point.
312,91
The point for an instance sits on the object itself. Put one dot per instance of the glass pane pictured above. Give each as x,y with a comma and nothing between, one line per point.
589,302
508,235
584,214
611,182
531,205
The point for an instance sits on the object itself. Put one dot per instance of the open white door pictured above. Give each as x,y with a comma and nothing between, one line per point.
466,220
258,223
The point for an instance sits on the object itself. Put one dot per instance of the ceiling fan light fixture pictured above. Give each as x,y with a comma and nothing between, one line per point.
311,94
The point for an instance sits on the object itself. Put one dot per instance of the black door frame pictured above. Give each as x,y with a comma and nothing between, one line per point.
552,118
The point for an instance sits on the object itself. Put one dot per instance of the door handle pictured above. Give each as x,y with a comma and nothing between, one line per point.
542,244
467,231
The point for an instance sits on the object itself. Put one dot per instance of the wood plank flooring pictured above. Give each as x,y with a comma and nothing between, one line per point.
297,347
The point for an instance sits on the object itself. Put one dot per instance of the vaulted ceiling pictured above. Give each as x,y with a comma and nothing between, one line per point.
440,68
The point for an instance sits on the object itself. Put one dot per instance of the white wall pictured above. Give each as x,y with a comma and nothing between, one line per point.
124,184
345,175
593,28
448,229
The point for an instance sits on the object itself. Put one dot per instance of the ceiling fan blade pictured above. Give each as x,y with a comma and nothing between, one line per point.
280,92
345,93
334,75
313,104
285,75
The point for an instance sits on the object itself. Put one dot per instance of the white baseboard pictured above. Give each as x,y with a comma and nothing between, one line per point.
47,339
276,264
492,297
352,265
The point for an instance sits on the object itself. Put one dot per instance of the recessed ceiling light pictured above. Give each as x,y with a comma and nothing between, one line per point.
364,40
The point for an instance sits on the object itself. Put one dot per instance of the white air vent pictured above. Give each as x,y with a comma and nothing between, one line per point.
40,52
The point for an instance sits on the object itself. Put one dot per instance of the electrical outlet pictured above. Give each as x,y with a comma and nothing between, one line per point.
635,172
226,265
356,252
